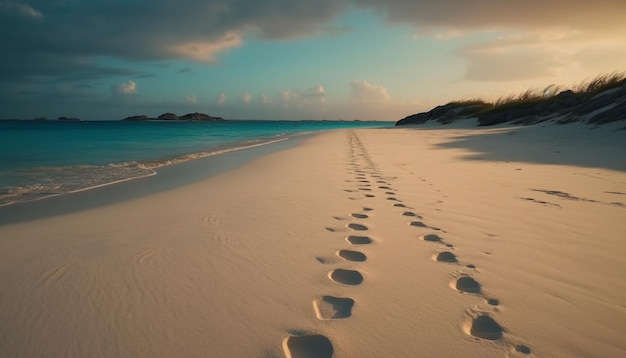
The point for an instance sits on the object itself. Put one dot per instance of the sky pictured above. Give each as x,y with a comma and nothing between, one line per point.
294,60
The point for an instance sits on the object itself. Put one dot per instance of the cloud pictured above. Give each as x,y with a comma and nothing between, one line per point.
128,87
221,99
191,99
314,92
363,91
266,100
206,51
245,98
22,9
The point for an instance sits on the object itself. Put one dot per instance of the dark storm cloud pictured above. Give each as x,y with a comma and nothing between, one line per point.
47,37
52,37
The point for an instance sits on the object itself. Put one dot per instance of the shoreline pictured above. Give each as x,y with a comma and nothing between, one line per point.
429,235
165,177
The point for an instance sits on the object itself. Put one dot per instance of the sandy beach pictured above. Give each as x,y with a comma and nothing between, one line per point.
428,241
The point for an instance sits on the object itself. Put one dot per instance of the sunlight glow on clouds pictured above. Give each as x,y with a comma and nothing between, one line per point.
296,59
207,51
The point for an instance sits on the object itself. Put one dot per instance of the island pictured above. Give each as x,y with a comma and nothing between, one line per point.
173,117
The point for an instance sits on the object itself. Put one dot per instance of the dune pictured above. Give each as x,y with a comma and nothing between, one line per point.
473,242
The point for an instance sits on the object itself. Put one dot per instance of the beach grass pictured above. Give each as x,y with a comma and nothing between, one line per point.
585,88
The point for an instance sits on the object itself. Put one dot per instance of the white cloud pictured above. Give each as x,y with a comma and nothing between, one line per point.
128,87
191,99
363,91
314,92
221,99
245,98
266,100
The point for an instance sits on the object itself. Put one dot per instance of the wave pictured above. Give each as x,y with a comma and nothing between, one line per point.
44,182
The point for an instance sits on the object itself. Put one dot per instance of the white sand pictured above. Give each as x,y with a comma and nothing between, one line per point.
234,265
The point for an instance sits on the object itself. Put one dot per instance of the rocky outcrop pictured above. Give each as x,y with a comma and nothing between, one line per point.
168,117
568,106
138,118
200,117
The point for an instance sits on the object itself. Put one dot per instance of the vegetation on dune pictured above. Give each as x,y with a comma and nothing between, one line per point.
521,108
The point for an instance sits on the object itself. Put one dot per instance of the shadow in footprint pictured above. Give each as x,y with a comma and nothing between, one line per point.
346,277
313,346
418,224
329,307
399,205
359,216
467,284
483,326
351,255
445,256
431,238
522,348
357,227
359,240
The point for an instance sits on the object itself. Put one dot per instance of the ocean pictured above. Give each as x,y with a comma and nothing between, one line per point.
45,158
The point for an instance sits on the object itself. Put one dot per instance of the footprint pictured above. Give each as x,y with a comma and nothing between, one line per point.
399,205
410,213
351,255
370,196
384,187
367,209
493,301
329,307
346,277
466,284
392,199
522,348
357,227
431,238
310,346
365,189
445,256
359,216
359,240
483,326
418,224
390,193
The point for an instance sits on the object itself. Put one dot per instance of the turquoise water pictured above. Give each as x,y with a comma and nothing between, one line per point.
45,158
